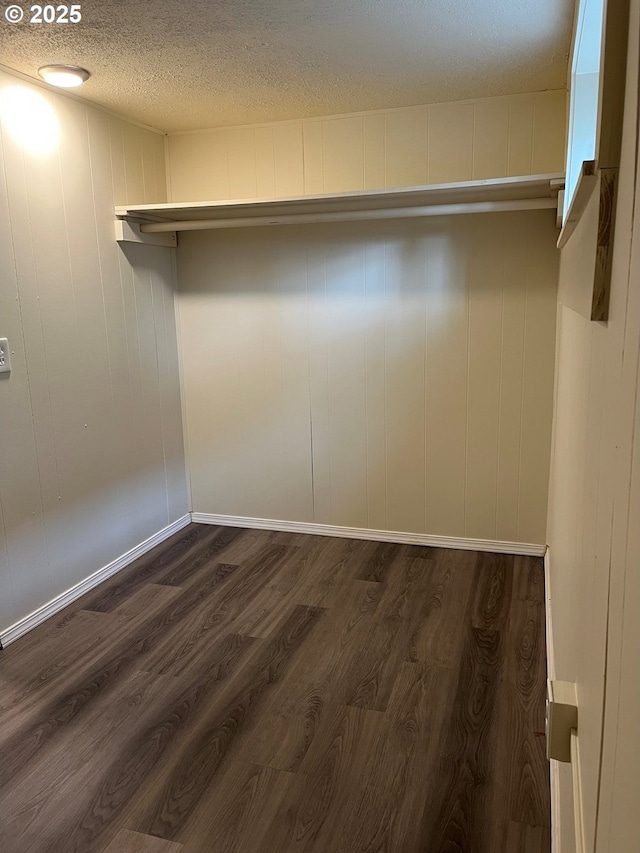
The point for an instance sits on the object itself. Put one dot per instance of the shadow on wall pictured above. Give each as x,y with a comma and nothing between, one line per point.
99,467
82,535
335,373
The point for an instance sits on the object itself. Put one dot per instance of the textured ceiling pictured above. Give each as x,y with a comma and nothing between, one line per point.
189,64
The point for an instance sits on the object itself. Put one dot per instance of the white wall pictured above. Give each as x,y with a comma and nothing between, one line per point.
91,447
383,376
394,376
433,143
594,507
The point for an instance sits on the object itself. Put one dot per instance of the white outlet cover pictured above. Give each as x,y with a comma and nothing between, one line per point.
5,356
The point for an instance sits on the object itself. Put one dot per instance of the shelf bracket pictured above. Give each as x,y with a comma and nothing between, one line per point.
128,231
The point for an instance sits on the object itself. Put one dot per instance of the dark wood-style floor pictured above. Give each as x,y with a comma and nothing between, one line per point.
239,691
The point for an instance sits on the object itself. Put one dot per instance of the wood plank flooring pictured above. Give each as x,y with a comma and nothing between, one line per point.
243,691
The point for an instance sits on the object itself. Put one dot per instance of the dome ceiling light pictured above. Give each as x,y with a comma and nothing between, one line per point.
66,76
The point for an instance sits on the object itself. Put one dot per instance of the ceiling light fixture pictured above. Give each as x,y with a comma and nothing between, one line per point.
66,76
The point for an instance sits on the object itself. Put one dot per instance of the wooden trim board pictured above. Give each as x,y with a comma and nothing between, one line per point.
604,246
551,656
462,544
554,770
576,775
554,784
51,607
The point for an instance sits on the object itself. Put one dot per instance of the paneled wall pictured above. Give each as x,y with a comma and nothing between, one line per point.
91,445
594,507
388,375
437,143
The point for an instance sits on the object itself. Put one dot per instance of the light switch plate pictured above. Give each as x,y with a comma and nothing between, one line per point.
5,356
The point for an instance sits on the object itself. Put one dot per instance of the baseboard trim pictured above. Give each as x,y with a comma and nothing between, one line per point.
554,767
554,784
27,623
576,775
548,618
463,544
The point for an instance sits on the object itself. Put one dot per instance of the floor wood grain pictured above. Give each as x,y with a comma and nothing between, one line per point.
249,691
127,841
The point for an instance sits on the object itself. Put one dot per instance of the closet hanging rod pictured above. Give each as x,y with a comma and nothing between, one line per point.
352,215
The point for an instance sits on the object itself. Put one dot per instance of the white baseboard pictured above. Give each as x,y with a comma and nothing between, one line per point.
554,783
548,618
376,535
51,607
578,814
554,778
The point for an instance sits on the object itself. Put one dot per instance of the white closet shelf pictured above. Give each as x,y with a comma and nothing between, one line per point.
529,192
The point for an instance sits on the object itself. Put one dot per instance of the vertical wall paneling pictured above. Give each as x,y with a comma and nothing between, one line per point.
159,157
148,405
491,139
248,371
133,161
363,374
521,132
7,600
405,322
51,292
147,144
116,161
549,112
105,145
341,462
483,392
343,153
187,155
169,359
406,139
81,421
289,159
91,460
318,325
265,162
374,314
293,464
484,138
451,143
593,507
158,315
447,361
242,163
512,355
313,164
24,530
374,151
537,395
